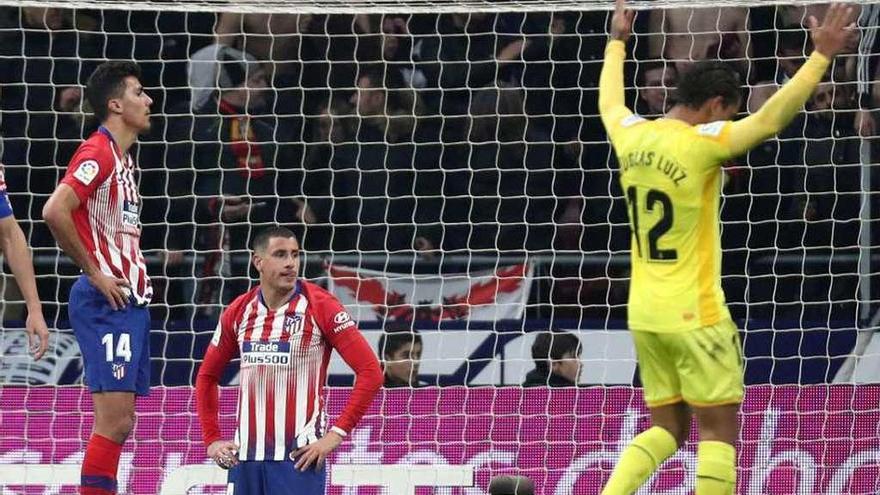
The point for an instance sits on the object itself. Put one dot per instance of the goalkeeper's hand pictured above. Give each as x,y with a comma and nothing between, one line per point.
316,453
224,453
835,33
621,22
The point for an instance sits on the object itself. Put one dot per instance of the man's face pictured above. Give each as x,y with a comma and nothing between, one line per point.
43,18
255,89
278,264
656,88
790,60
826,98
135,105
569,367
403,364
368,100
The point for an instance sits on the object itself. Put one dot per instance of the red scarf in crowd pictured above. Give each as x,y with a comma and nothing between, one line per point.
248,154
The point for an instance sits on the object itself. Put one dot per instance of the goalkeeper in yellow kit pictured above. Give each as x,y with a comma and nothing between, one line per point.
670,170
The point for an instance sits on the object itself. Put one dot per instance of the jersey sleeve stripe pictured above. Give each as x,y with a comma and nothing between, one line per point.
707,253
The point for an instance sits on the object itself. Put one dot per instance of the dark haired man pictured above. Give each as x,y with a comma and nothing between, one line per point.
284,330
244,171
401,350
94,216
670,172
557,357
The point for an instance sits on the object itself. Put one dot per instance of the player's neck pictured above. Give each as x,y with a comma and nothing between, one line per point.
686,114
122,134
274,299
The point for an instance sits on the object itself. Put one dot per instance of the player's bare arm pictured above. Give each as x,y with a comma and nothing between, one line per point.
18,256
58,216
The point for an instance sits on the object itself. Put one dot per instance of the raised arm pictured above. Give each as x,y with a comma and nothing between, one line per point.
829,39
611,92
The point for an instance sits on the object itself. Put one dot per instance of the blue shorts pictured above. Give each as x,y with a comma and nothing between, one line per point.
275,477
115,345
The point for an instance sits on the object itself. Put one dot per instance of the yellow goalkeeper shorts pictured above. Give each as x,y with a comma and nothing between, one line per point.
703,367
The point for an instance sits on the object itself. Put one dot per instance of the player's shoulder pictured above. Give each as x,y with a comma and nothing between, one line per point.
93,155
631,120
326,306
315,293
238,304
713,131
97,147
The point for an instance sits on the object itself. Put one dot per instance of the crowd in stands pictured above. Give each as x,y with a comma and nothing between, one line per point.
455,133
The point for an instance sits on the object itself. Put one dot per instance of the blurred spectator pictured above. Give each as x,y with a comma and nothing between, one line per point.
43,61
512,184
464,53
273,39
557,357
400,349
246,174
868,72
372,168
387,40
276,41
560,73
824,197
685,35
656,80
511,485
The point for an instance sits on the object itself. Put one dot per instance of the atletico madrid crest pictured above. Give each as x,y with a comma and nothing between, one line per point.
119,371
292,324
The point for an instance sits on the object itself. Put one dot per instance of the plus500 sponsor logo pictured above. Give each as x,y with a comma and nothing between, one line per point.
265,354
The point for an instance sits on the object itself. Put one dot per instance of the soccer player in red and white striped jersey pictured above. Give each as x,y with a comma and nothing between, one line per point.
284,331
94,217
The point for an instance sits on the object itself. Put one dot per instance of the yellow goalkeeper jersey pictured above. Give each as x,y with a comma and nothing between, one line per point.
670,172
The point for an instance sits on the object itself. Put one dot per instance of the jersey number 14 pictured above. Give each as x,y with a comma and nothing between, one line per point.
122,348
653,200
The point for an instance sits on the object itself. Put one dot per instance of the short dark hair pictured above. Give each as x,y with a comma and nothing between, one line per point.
511,485
552,346
649,65
108,82
396,335
793,38
261,240
706,80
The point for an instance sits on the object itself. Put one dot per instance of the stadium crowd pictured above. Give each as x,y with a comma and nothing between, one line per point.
454,133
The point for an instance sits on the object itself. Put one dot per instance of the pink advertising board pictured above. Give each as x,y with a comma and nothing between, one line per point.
795,440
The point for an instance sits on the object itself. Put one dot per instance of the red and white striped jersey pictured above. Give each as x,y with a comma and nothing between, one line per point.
284,356
108,217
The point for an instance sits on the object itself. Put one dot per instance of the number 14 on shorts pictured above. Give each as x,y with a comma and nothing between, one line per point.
122,348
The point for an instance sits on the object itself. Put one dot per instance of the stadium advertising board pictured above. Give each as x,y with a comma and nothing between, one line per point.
805,440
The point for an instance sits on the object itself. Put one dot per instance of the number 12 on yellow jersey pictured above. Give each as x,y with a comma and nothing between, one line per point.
653,200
